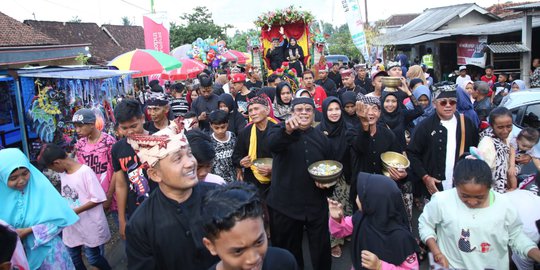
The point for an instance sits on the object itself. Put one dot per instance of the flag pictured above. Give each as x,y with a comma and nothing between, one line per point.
156,32
356,26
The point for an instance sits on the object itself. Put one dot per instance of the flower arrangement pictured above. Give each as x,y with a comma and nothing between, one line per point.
283,16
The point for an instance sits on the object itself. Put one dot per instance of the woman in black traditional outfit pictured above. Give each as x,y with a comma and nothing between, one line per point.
295,56
334,127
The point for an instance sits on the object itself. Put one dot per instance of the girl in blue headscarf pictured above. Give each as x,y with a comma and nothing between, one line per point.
38,212
465,106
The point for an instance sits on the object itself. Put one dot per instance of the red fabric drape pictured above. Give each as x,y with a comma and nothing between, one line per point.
294,30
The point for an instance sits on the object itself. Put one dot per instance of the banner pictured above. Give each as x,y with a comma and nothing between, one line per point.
356,26
156,32
470,50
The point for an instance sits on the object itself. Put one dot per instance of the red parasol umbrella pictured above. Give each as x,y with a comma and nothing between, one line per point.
147,61
232,55
189,70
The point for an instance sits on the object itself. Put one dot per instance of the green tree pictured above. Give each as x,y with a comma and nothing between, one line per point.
197,24
239,41
126,21
340,42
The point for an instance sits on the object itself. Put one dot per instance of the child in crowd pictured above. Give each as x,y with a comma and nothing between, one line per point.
523,144
12,254
471,226
232,220
381,237
81,188
501,88
489,77
223,142
94,149
204,153
179,104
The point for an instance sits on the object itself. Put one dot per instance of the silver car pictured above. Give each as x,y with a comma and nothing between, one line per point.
525,108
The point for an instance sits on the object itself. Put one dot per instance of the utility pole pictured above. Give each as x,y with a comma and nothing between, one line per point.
365,7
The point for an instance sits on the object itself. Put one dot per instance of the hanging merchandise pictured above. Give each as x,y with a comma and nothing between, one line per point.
43,113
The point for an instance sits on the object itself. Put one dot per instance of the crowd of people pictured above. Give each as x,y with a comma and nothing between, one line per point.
187,179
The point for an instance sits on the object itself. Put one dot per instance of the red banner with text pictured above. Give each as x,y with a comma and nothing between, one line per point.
156,33
470,50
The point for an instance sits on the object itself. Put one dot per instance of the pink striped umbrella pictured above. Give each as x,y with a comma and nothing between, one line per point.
189,70
232,55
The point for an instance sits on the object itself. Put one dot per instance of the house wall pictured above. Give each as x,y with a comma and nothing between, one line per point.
473,18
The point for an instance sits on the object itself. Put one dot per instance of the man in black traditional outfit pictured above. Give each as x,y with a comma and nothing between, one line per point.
295,201
163,233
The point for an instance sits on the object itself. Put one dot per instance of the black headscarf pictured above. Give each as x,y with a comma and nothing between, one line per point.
291,47
279,87
391,119
336,133
346,98
331,129
382,227
236,120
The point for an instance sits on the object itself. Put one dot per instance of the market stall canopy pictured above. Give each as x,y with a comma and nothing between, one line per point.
232,55
189,70
88,74
146,61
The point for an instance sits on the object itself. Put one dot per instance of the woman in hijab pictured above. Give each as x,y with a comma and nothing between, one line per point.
38,212
236,120
334,127
348,101
381,237
518,85
282,103
468,86
465,106
423,96
396,118
295,56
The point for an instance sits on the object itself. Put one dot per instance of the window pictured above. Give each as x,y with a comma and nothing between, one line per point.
531,118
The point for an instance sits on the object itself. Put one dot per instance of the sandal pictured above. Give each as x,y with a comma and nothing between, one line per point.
336,251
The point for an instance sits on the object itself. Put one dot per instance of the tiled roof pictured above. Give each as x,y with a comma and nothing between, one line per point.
103,48
507,47
129,37
506,10
15,33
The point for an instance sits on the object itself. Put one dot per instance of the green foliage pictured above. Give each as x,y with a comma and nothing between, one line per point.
198,24
239,41
82,59
340,42
126,21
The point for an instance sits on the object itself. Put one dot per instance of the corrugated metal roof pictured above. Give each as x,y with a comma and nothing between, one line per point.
507,47
429,21
535,5
419,39
493,28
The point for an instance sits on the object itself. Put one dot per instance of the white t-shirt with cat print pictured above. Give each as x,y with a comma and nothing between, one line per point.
473,238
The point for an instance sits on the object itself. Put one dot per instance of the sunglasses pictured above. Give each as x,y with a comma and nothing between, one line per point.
444,102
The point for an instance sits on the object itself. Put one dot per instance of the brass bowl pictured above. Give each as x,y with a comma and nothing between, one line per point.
391,82
326,178
394,160
262,161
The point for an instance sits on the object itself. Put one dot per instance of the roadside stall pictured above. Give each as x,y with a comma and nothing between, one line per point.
43,100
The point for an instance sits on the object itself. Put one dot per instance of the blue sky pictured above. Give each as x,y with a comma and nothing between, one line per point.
239,13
